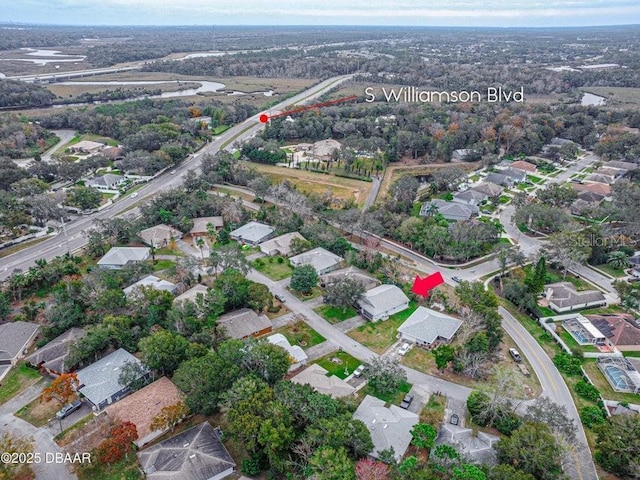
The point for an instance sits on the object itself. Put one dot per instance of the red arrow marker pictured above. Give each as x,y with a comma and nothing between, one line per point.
264,118
422,286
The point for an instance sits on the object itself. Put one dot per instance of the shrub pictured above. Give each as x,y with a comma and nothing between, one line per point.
592,415
280,260
251,467
587,391
568,364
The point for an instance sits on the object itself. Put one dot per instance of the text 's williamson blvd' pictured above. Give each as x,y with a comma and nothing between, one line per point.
417,95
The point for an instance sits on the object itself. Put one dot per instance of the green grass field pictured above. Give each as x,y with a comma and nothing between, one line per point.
379,336
347,364
272,269
19,378
299,333
335,314
393,398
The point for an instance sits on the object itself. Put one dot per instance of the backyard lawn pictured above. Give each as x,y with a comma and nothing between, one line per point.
393,398
342,368
572,344
335,314
315,293
272,268
379,336
163,265
299,333
19,378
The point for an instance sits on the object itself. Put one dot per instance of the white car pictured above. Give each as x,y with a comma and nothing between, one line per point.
359,371
404,348
134,194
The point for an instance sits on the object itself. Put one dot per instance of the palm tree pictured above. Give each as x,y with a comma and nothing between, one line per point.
200,244
619,260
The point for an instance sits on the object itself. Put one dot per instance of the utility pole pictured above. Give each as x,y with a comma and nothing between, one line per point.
66,235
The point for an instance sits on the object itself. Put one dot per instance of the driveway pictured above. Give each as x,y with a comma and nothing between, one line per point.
43,438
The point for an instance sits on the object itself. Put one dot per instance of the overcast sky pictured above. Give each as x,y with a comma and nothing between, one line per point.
503,13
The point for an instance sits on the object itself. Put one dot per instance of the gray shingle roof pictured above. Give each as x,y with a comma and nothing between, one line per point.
252,232
488,188
470,196
564,294
296,352
383,298
107,180
14,338
192,294
517,175
450,210
150,281
244,323
159,235
389,427
195,454
316,376
53,355
427,325
281,244
200,224
498,179
122,255
318,258
99,380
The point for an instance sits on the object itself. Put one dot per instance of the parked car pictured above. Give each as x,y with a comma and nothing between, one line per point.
455,419
406,401
280,298
515,355
456,279
68,409
359,371
404,348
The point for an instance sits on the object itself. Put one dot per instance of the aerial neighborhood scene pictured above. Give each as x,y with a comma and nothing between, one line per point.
320,240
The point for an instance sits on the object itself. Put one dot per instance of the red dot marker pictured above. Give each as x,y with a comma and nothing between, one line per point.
264,118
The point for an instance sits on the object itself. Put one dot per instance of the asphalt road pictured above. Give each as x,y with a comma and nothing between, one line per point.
76,229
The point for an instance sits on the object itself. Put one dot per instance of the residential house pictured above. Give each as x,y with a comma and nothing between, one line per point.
323,261
524,166
112,153
86,147
426,327
192,294
611,172
316,376
297,354
491,190
245,323
150,281
201,226
354,273
599,188
464,155
52,357
160,235
141,407
590,197
621,373
381,302
625,166
601,178
390,427
323,149
449,210
517,176
106,182
621,329
563,297
195,454
558,142
118,257
280,245
499,179
582,330
100,381
470,197
252,233
15,340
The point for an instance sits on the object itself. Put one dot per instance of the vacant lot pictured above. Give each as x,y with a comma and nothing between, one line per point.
299,333
273,268
379,336
318,183
19,378
335,314
39,413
